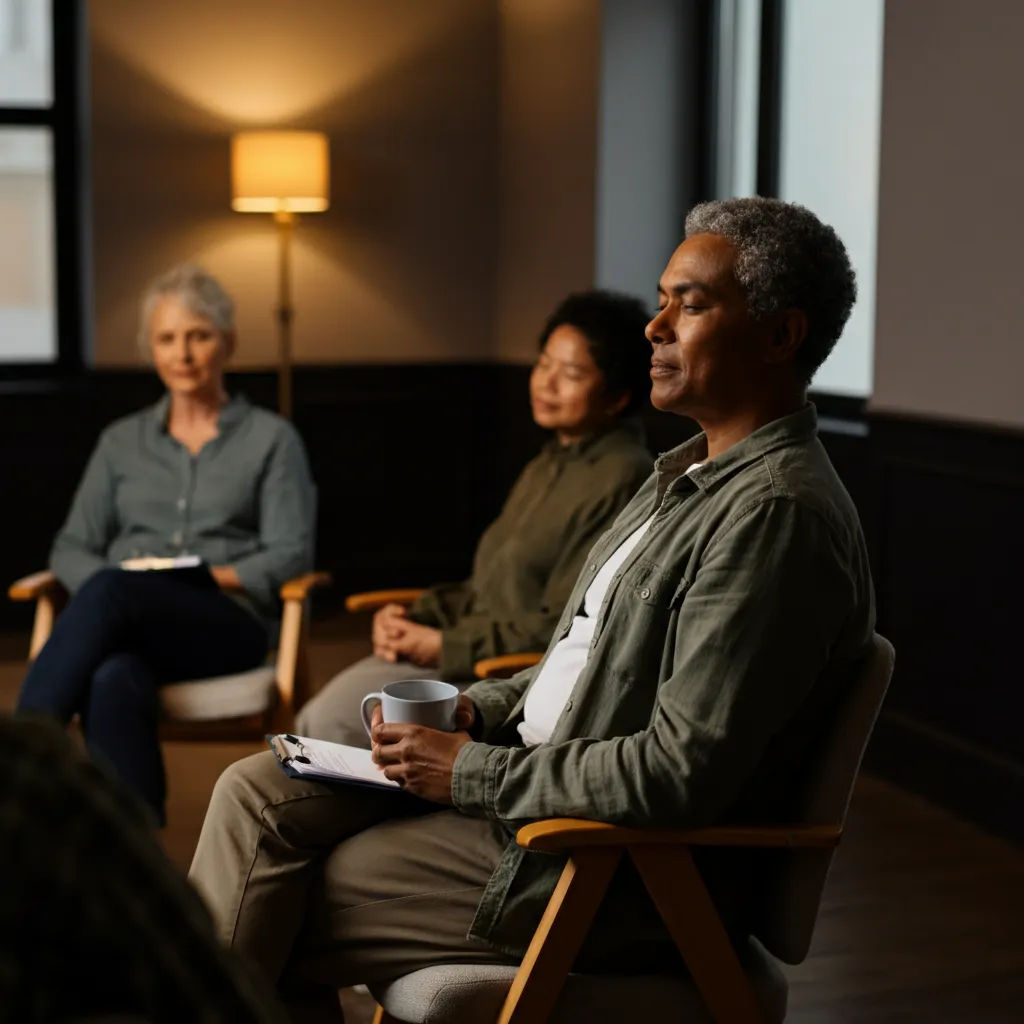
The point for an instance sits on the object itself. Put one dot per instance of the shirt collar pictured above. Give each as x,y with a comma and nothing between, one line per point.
625,430
780,433
230,416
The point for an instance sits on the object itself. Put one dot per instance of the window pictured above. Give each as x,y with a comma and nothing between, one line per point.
830,119
737,34
40,187
797,113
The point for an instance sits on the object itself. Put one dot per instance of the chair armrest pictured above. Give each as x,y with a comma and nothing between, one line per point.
49,594
371,600
298,589
31,588
506,664
559,834
292,657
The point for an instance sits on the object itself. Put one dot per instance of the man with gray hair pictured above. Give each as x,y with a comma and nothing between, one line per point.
707,637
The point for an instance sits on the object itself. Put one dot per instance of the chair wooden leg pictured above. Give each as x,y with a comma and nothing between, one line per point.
289,654
558,937
303,675
42,625
679,893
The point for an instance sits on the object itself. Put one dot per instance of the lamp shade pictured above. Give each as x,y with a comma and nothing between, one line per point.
286,171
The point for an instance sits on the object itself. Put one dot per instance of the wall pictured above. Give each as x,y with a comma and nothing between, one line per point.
402,267
548,114
950,212
463,152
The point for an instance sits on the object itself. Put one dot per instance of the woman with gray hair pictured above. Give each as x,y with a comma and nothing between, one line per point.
200,474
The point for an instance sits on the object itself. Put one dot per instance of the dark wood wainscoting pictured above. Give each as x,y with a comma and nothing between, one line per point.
412,462
405,459
942,508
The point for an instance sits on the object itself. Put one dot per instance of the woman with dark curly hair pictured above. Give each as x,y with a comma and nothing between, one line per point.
591,376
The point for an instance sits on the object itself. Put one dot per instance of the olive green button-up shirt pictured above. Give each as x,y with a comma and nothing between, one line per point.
720,645
246,500
527,560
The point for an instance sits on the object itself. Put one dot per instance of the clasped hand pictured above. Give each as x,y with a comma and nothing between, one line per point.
419,759
396,636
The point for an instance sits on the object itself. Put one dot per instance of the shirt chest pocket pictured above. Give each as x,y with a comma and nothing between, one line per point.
143,496
640,621
225,491
229,500
650,586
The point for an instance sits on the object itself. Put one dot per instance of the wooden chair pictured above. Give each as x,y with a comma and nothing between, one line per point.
723,985
488,668
241,706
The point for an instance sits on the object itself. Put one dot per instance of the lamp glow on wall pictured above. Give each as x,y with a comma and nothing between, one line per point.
282,173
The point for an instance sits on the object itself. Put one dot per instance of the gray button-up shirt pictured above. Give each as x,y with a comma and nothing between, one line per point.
246,500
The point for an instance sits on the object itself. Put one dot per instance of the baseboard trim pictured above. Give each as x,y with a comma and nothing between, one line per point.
963,777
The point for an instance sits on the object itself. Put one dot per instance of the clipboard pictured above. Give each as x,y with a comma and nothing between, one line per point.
188,568
322,761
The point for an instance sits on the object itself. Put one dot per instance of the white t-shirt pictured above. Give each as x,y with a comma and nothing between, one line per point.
551,689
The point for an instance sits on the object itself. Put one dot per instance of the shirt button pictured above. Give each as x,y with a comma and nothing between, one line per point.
176,539
645,593
593,568
568,706
181,503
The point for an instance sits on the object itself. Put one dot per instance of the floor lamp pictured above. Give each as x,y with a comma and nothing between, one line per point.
283,173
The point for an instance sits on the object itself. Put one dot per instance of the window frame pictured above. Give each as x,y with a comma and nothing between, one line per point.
769,113
64,118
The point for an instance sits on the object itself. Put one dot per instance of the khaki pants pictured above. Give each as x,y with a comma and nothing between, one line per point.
337,885
333,714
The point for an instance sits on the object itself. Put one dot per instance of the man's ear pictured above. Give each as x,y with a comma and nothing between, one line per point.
787,336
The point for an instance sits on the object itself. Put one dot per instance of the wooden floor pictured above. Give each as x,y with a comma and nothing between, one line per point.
921,921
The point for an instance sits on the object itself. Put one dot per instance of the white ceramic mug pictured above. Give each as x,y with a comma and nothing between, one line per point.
426,702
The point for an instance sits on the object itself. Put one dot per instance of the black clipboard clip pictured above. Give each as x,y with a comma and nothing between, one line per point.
279,744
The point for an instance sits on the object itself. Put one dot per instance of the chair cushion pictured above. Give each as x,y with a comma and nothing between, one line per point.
469,994
200,700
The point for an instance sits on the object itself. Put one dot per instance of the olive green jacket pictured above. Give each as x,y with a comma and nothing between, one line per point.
721,643
528,559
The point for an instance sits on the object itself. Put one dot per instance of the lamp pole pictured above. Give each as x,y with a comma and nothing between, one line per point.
285,221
